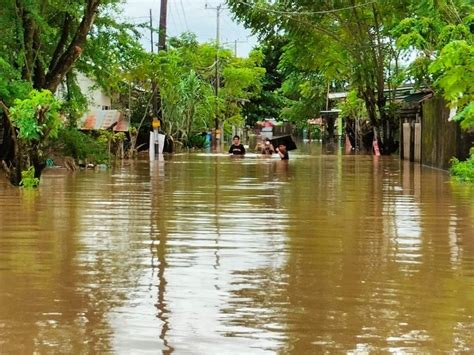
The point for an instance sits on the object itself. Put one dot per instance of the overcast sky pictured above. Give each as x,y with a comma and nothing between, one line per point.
191,15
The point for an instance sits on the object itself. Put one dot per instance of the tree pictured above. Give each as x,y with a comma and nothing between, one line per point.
455,77
186,77
346,39
270,101
427,28
37,119
41,43
443,38
47,38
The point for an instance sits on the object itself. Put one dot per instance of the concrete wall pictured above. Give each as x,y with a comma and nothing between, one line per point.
417,143
406,139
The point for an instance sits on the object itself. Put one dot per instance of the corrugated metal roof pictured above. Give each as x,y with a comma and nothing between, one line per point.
337,95
417,97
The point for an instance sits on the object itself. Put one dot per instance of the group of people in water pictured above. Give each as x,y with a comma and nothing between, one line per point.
267,148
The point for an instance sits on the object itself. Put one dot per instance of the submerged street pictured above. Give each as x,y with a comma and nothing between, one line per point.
208,254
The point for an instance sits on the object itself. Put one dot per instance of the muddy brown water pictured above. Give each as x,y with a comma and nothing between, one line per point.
205,254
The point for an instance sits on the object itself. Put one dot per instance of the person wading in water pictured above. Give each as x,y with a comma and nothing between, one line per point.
282,152
267,148
236,148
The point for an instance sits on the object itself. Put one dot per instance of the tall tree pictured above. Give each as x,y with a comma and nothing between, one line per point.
442,37
41,43
270,101
352,35
48,37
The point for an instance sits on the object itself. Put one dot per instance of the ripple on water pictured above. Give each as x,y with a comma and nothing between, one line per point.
206,254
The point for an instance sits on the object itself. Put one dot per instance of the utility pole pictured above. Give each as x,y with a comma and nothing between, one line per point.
155,137
154,100
235,46
154,143
163,20
151,32
234,43
218,9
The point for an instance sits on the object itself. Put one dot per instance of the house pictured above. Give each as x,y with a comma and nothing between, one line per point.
99,114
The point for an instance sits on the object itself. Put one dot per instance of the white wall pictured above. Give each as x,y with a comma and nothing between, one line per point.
96,98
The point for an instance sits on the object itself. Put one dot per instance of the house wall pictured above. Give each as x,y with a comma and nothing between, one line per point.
97,99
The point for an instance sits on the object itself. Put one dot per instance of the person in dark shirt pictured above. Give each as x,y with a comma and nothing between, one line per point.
282,152
236,148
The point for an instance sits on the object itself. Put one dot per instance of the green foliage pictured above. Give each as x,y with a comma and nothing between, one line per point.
455,77
466,117
75,102
185,75
418,71
353,107
37,39
463,170
113,54
427,28
269,101
80,146
421,33
11,85
350,46
28,179
443,34
305,96
197,141
37,117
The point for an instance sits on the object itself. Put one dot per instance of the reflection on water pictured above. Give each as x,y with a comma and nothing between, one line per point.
209,254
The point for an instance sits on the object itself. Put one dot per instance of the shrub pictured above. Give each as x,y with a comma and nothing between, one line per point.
197,141
463,170
28,180
81,146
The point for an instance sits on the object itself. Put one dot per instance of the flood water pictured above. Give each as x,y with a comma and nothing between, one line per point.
203,254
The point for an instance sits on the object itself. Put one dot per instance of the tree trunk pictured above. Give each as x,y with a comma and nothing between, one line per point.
74,50
28,35
387,144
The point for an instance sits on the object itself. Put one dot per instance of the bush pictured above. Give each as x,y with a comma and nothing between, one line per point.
81,146
197,141
28,179
463,170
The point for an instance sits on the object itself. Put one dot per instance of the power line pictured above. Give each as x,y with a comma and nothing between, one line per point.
321,12
229,22
184,15
136,17
173,20
219,8
178,16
